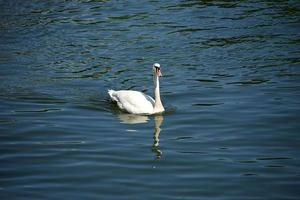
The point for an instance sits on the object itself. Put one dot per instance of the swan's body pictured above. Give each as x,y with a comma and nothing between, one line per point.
136,102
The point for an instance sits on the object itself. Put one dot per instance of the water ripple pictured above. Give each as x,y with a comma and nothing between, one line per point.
230,87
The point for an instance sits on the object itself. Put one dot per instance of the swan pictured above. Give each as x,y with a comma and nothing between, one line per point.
136,102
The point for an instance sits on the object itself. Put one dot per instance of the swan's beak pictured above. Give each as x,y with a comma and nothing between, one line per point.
158,72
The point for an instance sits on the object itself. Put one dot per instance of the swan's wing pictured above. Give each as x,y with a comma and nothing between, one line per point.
133,101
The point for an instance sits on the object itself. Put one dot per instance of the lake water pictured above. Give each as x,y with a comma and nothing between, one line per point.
230,86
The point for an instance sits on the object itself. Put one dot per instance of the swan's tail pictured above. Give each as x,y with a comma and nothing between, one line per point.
111,94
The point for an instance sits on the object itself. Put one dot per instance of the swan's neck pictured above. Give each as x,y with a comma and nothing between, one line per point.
158,107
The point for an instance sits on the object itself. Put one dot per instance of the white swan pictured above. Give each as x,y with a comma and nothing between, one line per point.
137,102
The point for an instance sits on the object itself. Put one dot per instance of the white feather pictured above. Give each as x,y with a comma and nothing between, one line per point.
133,101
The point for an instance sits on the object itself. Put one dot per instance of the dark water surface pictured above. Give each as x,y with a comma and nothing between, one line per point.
231,89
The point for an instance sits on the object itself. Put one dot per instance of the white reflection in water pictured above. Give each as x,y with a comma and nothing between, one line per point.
132,119
138,119
158,119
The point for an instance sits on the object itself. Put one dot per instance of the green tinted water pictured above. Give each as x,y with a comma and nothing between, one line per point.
230,88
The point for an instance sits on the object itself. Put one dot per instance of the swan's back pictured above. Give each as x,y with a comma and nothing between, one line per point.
133,101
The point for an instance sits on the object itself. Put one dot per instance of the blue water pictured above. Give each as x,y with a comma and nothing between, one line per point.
230,86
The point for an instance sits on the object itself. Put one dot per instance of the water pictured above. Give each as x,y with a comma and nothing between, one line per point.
230,88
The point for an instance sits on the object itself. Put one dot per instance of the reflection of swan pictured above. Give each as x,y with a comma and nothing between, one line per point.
132,119
137,102
137,119
158,119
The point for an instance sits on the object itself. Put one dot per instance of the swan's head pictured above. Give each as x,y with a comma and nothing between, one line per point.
156,69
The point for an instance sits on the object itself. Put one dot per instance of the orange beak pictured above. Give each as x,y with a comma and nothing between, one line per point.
158,72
